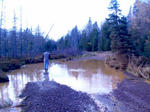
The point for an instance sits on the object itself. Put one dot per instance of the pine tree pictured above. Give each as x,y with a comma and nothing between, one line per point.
118,30
104,40
94,37
83,44
125,43
1,23
139,24
147,46
113,21
14,49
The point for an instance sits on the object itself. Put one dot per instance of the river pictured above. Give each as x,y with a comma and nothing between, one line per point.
91,76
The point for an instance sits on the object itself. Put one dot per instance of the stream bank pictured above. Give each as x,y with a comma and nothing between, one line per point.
136,65
7,64
132,94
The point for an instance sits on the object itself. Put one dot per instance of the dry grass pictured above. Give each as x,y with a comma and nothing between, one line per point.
138,66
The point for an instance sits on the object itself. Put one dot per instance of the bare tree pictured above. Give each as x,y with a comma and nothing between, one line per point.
14,37
1,23
20,33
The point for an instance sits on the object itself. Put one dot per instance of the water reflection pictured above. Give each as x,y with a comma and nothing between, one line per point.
46,76
18,79
90,76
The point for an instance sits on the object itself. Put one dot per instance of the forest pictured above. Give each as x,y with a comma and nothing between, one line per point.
125,34
118,33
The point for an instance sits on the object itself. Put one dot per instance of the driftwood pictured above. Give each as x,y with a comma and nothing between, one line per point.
139,66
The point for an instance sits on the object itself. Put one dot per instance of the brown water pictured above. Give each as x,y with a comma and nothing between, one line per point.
91,76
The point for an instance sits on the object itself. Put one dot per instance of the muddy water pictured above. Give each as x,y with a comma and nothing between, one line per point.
91,76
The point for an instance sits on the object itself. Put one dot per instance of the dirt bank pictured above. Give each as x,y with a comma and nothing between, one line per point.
11,64
49,96
138,66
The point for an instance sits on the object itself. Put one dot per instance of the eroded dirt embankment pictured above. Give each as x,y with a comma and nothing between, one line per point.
11,64
138,66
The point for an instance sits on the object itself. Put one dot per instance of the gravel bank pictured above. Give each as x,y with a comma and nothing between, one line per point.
49,96
132,95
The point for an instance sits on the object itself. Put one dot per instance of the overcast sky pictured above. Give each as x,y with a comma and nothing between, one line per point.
64,14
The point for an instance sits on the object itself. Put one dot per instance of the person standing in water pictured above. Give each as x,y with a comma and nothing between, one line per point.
46,60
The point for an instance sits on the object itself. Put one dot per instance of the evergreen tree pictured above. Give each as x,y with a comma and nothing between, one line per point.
1,23
74,38
125,43
89,27
83,44
113,21
13,33
94,37
104,40
139,25
121,41
147,46
94,40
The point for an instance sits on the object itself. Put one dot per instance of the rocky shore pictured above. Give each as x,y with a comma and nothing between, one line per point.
49,96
